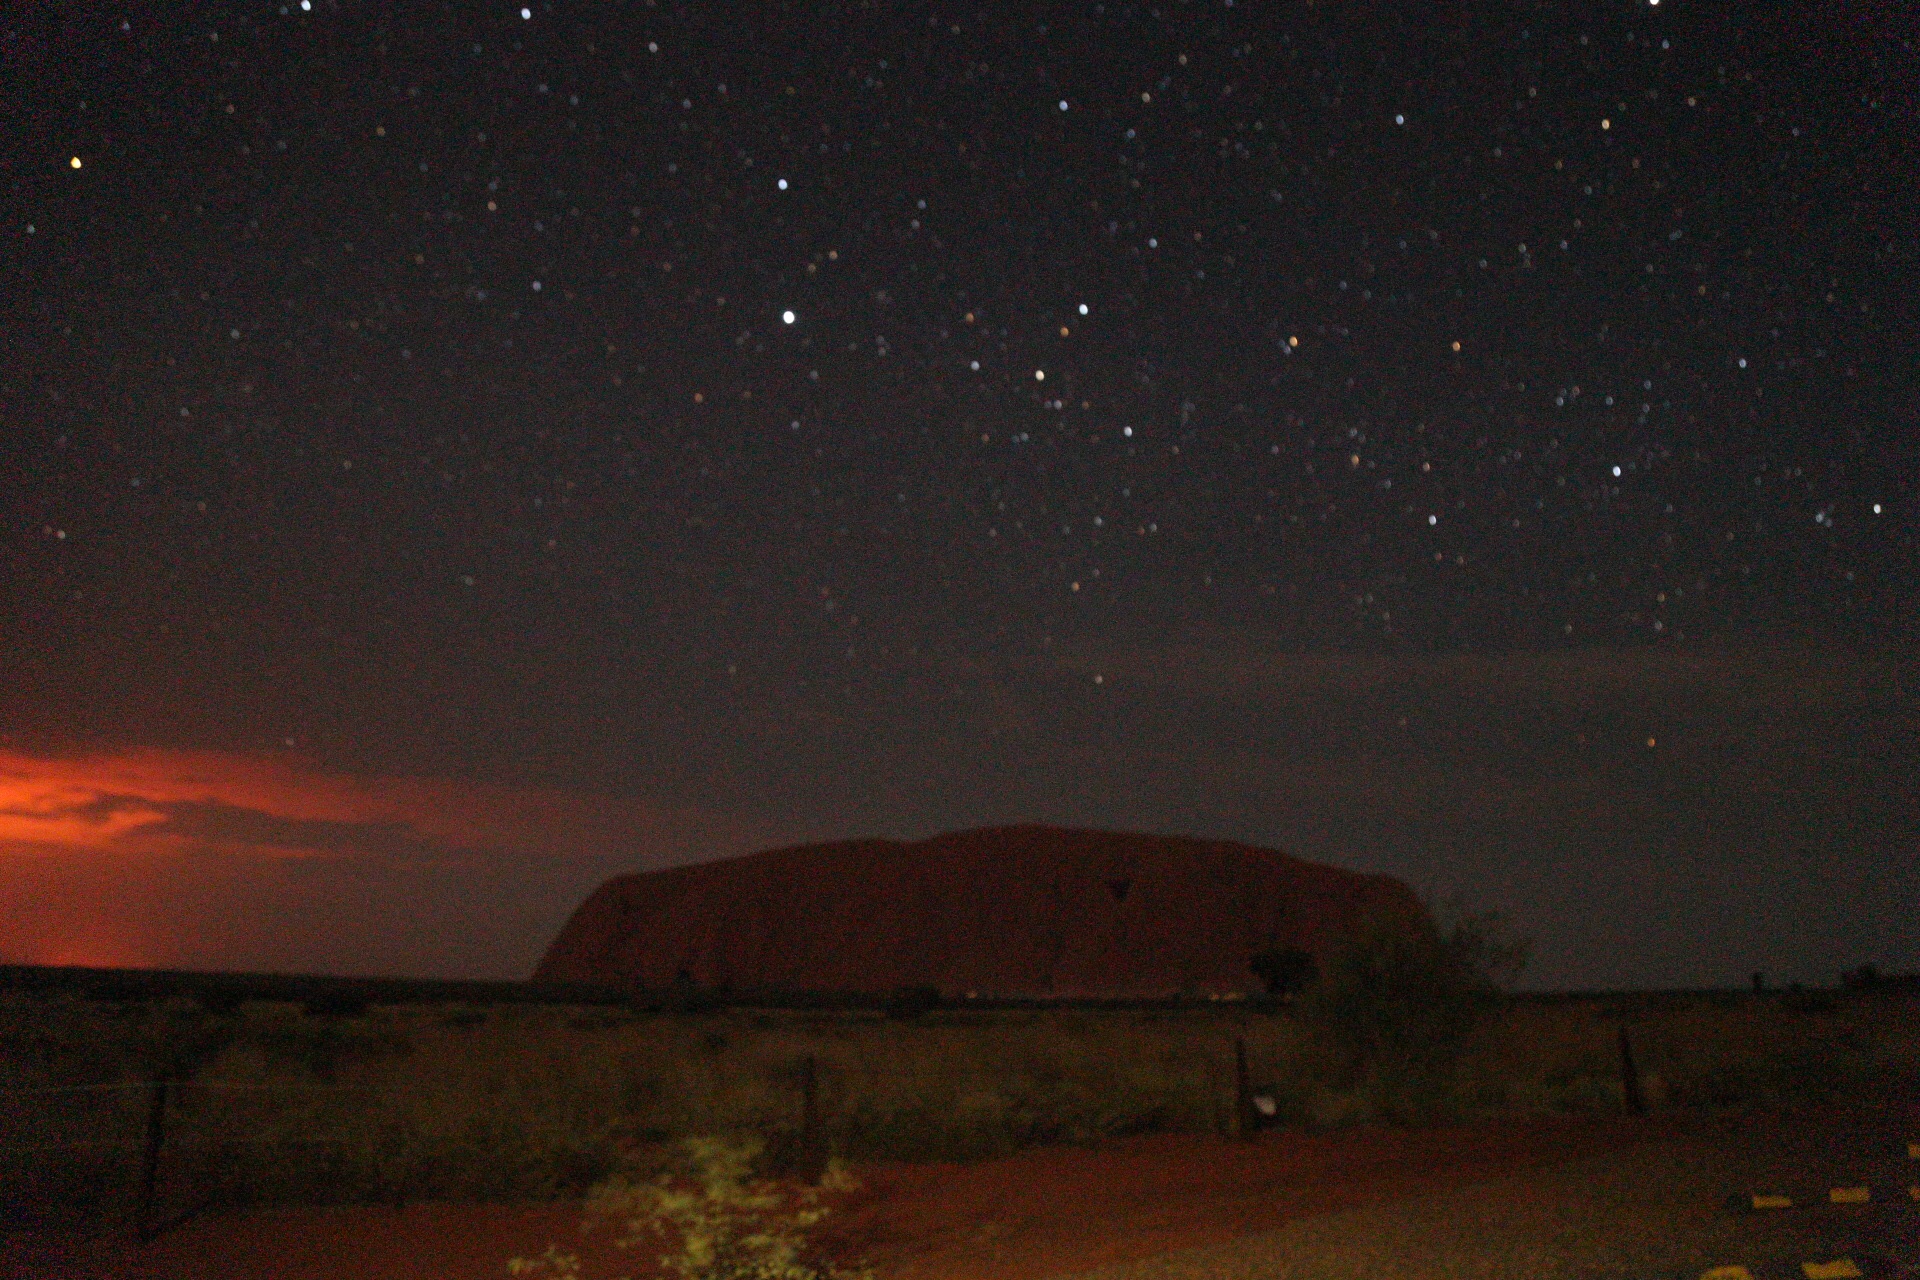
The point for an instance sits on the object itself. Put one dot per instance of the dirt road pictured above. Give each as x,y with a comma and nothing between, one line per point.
1658,1210
1552,1198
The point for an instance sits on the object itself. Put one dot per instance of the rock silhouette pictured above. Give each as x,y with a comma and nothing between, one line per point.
1001,911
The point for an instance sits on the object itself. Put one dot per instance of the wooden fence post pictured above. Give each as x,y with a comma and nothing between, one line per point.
1630,1077
1244,1115
144,1230
810,1100
813,1144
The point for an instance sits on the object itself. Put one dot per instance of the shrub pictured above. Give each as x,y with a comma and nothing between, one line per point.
1400,1001
913,1002
720,1223
1286,971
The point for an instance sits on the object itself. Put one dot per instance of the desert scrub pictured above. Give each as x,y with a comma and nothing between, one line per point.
1399,1004
719,1222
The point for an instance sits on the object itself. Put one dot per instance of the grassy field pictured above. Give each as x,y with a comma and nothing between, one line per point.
455,1101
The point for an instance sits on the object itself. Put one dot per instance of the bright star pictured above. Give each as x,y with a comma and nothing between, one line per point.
787,316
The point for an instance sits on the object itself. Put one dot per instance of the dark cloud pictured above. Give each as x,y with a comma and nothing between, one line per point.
1770,823
220,825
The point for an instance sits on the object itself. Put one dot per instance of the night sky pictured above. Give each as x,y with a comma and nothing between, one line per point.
452,453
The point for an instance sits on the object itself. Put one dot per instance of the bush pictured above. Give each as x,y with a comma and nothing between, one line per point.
720,1221
1399,1003
1285,971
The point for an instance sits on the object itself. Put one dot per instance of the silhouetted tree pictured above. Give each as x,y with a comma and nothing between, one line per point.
1286,971
1865,978
911,1002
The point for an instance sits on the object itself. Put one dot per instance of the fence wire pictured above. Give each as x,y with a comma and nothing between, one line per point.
173,1089
148,1085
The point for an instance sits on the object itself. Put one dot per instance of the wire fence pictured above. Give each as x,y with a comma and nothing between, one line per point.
159,1121
156,1127
144,1135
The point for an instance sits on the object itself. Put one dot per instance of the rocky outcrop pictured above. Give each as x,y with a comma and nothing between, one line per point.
1024,910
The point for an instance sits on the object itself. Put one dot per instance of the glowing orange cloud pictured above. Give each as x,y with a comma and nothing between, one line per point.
126,801
97,801
42,810
214,859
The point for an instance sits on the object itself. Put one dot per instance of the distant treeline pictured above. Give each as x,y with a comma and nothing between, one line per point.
347,996
322,993
1869,978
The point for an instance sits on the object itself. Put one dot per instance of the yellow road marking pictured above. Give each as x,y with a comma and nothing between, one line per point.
1914,1192
1913,1150
1772,1202
1838,1269
1727,1273
1849,1195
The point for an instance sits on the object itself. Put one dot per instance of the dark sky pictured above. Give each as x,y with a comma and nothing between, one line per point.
1475,442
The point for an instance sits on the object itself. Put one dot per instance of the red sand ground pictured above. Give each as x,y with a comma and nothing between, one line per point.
1040,1214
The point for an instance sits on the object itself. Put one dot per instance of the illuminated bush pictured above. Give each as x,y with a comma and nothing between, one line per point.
718,1221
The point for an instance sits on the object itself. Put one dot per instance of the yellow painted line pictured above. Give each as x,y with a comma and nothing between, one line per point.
1913,1150
1772,1202
1727,1273
1838,1269
1914,1192
1849,1195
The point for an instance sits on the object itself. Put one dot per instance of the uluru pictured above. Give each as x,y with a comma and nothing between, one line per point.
999,911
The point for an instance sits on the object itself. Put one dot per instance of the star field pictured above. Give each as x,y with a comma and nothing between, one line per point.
742,399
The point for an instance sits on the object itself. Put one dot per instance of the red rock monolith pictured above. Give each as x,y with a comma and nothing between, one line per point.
1001,911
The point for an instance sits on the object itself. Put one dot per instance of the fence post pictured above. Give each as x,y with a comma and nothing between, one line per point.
1243,1111
1630,1077
812,1165
810,1100
150,1166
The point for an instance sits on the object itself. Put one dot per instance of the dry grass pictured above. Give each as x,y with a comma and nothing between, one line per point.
526,1101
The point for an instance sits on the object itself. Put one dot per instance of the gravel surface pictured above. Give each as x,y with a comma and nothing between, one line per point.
1660,1210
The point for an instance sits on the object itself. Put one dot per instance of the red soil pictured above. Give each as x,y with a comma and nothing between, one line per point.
1041,1214
1001,911
1053,1212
